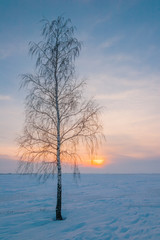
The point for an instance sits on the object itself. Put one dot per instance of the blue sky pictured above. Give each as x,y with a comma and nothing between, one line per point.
120,59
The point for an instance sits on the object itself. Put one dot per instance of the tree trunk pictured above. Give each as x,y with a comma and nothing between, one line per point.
59,179
59,192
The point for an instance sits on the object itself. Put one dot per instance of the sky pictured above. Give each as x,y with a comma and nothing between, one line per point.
120,60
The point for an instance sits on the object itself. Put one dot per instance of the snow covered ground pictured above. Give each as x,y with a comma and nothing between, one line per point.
97,207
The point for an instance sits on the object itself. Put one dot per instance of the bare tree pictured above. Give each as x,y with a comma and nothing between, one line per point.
58,118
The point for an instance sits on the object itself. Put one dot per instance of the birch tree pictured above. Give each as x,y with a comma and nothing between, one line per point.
58,118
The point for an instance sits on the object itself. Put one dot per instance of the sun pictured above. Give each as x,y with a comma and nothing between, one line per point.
98,162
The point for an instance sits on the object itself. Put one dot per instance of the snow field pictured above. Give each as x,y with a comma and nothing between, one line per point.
97,207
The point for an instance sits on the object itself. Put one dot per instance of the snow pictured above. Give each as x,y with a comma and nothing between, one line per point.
96,207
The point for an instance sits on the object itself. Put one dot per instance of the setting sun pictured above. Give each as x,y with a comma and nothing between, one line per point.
97,162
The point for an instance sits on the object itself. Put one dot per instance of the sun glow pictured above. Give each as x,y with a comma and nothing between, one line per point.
98,162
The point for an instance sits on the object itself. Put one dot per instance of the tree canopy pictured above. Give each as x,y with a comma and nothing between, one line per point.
58,116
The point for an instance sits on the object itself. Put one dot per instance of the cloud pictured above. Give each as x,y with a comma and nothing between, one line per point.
118,96
5,98
110,42
123,164
121,57
103,19
7,50
7,165
11,122
4,53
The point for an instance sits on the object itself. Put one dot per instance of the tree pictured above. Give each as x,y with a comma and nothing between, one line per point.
58,118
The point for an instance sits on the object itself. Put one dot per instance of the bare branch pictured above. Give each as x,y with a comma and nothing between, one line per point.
58,119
